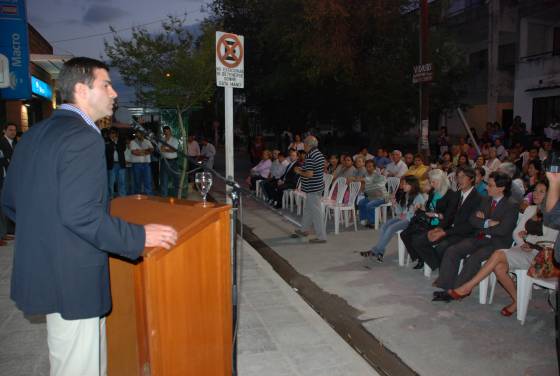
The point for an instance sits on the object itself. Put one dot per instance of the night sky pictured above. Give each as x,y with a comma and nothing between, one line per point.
59,20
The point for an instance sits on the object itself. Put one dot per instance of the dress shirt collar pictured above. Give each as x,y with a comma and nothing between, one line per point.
87,119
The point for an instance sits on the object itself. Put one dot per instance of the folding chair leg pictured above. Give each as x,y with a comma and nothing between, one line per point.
493,281
483,290
336,215
401,249
427,271
524,285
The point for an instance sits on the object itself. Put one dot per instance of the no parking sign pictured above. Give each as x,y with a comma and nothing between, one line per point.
230,51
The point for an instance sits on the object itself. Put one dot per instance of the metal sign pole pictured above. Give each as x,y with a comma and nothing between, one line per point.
228,100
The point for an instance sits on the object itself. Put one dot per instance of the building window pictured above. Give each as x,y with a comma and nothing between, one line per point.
506,57
556,41
478,61
544,111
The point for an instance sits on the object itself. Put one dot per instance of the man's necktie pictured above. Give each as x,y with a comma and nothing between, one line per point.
481,234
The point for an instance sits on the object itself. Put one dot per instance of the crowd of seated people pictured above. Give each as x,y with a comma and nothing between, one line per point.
454,211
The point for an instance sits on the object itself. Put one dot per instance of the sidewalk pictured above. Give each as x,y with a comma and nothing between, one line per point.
394,305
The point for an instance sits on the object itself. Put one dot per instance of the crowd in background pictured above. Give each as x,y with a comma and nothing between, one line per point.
465,203
136,166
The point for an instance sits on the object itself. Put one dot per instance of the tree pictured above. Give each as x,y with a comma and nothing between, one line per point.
170,69
338,61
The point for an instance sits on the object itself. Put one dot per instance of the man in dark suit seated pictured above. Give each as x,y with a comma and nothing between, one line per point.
275,189
56,192
494,222
431,246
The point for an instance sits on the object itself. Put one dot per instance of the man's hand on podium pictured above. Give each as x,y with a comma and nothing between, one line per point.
160,236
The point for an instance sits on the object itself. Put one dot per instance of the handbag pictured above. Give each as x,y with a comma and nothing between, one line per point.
421,220
543,265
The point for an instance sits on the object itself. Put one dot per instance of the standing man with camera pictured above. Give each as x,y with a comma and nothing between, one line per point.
552,219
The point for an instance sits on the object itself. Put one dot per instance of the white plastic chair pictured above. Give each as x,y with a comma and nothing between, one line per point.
381,210
292,195
404,257
300,196
327,195
340,207
258,188
525,286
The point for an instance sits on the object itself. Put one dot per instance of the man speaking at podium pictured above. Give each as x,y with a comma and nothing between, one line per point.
56,192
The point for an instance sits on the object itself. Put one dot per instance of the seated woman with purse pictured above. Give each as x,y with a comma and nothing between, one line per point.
439,211
530,231
407,199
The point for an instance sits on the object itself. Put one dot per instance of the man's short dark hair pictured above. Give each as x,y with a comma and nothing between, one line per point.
9,125
167,127
468,172
113,130
77,70
502,180
371,161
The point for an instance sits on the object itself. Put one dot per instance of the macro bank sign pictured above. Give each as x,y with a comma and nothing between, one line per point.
15,81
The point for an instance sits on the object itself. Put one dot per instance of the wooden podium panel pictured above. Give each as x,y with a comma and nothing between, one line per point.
172,310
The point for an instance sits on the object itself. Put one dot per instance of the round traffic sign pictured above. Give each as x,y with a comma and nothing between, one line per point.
229,50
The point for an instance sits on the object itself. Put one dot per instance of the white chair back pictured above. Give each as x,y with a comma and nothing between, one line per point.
342,186
337,183
354,189
327,178
393,184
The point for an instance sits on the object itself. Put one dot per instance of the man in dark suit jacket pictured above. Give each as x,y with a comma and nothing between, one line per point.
494,222
275,189
8,141
432,245
7,144
56,192
116,163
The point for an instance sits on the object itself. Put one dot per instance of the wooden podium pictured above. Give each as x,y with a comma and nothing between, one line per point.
172,310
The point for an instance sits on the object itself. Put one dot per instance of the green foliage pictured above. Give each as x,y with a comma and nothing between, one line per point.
313,62
168,69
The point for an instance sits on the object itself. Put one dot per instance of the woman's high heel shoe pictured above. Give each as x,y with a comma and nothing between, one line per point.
456,296
506,312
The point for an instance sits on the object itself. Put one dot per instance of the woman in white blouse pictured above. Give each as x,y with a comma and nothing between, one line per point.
519,256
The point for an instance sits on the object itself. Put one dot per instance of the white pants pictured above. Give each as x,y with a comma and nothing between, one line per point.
77,347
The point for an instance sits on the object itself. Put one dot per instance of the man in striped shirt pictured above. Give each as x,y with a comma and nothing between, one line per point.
312,183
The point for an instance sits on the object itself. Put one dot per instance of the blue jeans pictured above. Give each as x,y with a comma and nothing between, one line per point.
117,173
388,230
142,177
168,168
367,208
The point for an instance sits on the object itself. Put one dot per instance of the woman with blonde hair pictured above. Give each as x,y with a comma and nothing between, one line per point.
439,211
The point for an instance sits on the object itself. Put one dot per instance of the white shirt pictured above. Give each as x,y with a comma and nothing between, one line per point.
193,149
208,152
10,141
398,170
466,194
277,169
173,142
137,145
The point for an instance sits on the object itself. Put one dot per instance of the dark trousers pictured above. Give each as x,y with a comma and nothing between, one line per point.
168,171
254,180
431,253
477,250
274,192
